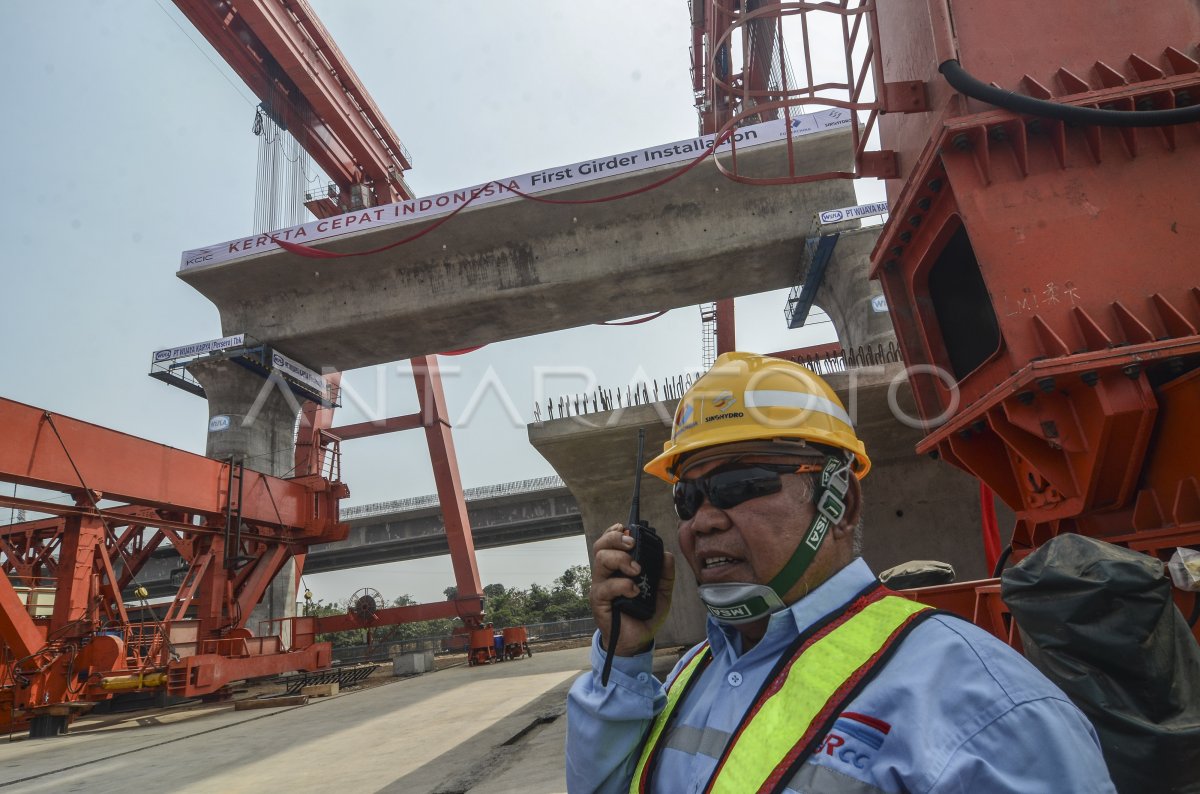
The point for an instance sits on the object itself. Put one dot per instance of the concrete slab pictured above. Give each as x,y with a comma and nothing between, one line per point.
520,268
415,735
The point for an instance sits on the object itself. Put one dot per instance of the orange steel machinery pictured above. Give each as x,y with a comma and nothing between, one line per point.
234,527
1040,260
1041,257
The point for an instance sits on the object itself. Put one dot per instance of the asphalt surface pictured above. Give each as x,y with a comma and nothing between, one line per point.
498,728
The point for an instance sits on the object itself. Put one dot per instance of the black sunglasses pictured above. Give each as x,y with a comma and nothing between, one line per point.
730,486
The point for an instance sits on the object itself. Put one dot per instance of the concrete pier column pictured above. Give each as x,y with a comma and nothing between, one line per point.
595,456
253,419
846,293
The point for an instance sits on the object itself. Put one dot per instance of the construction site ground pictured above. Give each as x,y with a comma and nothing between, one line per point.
496,728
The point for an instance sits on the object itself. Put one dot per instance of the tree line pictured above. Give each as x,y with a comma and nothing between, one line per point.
565,599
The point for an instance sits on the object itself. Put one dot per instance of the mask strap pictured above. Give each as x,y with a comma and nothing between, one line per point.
831,507
734,604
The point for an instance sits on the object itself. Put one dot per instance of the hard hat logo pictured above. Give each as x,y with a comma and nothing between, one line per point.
724,401
747,397
685,418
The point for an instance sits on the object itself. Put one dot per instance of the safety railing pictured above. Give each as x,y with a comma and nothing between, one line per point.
748,78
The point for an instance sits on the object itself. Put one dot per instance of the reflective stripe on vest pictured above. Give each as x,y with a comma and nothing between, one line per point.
796,707
675,693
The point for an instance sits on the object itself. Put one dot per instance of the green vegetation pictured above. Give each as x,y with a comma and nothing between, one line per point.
566,599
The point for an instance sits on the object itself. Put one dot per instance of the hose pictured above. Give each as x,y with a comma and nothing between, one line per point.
964,82
1000,563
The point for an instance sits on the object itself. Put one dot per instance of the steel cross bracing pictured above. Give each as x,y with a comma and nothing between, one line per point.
127,496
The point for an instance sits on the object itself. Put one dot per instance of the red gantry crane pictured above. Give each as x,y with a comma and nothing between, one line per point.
287,57
234,528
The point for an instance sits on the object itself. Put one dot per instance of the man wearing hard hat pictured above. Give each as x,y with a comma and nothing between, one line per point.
813,678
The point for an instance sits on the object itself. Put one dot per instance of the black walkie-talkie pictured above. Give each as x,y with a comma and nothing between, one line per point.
647,551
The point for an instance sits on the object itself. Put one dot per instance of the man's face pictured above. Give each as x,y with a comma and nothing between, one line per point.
752,541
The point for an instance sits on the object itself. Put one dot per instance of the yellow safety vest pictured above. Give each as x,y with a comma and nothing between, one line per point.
793,712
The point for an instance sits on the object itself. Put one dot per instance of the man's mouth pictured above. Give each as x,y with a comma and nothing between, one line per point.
718,566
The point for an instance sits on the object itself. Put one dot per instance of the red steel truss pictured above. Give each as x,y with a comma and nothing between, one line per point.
125,496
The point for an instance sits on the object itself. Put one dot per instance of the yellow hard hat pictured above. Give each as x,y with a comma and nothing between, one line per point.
748,397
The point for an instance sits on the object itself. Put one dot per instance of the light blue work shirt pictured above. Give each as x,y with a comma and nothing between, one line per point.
953,710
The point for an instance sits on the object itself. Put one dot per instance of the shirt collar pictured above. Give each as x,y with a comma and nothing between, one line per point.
832,594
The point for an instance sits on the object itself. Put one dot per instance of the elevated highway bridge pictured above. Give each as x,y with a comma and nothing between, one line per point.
506,514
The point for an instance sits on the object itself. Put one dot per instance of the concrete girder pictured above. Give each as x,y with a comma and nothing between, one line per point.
520,267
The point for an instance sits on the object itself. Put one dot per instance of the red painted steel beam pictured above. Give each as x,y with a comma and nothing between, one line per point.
239,660
130,469
432,401
412,613
136,515
389,425
726,326
268,563
231,37
73,590
315,420
17,628
116,517
286,50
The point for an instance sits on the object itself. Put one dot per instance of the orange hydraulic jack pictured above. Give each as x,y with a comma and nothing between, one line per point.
234,527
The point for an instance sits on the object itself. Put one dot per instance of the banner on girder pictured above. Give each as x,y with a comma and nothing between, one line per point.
196,348
418,209
297,371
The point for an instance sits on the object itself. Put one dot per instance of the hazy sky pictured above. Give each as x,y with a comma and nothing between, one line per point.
127,140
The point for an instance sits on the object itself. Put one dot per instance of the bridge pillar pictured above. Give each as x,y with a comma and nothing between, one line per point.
260,432
595,456
846,291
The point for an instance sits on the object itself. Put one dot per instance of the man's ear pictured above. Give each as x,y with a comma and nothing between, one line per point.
853,510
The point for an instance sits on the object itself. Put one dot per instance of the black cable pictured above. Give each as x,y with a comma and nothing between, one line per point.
964,82
612,646
1001,561
1195,617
